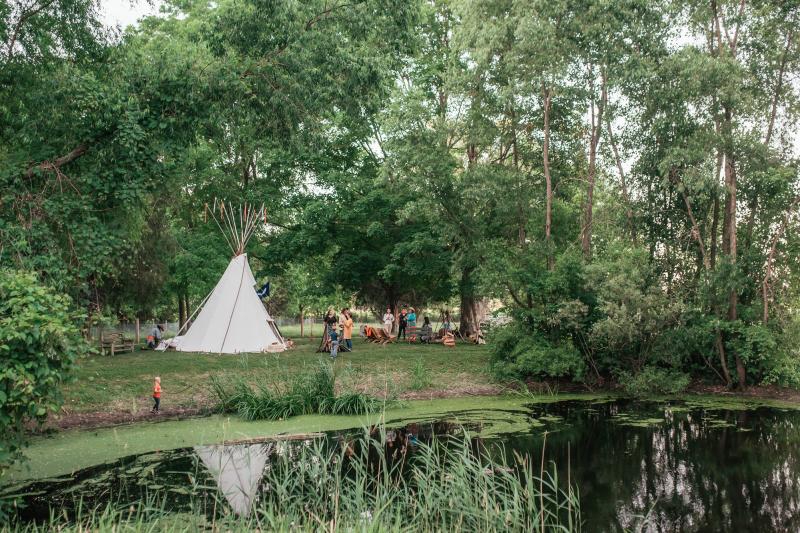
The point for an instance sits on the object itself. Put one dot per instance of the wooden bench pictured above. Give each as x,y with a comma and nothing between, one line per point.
115,343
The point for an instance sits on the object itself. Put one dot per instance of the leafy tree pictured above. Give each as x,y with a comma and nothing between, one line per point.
39,345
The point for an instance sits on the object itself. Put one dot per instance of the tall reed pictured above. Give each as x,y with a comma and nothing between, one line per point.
298,394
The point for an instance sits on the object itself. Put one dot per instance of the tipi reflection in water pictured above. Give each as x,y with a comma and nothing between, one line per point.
238,470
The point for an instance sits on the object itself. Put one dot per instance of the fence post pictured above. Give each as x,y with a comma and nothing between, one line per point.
138,332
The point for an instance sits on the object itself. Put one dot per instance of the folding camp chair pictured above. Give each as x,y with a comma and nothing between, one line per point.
385,337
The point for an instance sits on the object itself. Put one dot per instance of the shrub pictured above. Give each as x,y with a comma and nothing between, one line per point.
39,343
519,354
654,380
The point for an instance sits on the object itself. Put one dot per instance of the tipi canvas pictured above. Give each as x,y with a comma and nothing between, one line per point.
233,319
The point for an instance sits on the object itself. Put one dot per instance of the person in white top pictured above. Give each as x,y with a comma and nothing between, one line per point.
388,320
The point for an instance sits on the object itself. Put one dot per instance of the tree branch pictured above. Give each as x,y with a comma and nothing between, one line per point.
779,86
24,16
56,164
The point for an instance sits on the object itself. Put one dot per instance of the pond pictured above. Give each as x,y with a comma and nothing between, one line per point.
666,465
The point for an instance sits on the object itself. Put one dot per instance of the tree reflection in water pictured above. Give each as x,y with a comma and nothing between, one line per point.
697,470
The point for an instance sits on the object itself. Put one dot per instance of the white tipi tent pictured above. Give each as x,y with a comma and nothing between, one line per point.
233,319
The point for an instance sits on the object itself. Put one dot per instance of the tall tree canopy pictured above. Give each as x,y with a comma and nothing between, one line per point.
620,177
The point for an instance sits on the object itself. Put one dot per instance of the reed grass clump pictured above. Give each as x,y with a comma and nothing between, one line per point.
420,376
300,394
445,486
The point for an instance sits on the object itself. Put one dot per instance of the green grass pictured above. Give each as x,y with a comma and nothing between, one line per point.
124,382
420,376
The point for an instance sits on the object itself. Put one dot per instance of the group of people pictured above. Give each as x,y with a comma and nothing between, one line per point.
407,323
339,329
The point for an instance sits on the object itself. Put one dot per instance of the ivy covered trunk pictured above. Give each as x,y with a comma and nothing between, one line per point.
473,308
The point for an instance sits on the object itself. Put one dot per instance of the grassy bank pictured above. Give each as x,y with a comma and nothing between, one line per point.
123,383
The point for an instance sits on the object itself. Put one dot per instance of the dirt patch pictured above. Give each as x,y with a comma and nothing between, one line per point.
760,392
485,390
90,420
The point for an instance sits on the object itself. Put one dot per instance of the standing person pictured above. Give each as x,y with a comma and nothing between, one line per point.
156,395
388,320
412,324
330,320
154,338
446,322
334,343
347,330
402,322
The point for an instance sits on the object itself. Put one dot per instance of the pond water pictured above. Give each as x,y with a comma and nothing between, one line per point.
663,465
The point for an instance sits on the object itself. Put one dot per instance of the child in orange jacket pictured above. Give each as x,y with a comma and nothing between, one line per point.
156,395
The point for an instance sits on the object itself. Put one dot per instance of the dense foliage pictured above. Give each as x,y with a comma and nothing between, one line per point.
620,177
39,343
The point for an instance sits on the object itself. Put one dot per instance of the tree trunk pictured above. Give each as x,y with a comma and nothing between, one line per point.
181,311
301,323
623,183
729,242
548,212
778,88
707,265
714,230
472,307
597,127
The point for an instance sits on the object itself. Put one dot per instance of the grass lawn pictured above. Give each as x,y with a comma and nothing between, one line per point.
123,383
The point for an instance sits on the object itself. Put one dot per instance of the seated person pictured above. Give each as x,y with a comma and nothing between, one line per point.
154,338
426,331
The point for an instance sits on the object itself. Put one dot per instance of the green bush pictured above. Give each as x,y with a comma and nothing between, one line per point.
654,380
39,343
519,354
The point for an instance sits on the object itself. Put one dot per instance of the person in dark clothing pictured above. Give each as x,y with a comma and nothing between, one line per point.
402,324
154,338
426,332
331,320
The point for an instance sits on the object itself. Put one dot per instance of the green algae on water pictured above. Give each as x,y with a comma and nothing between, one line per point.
640,422
69,451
